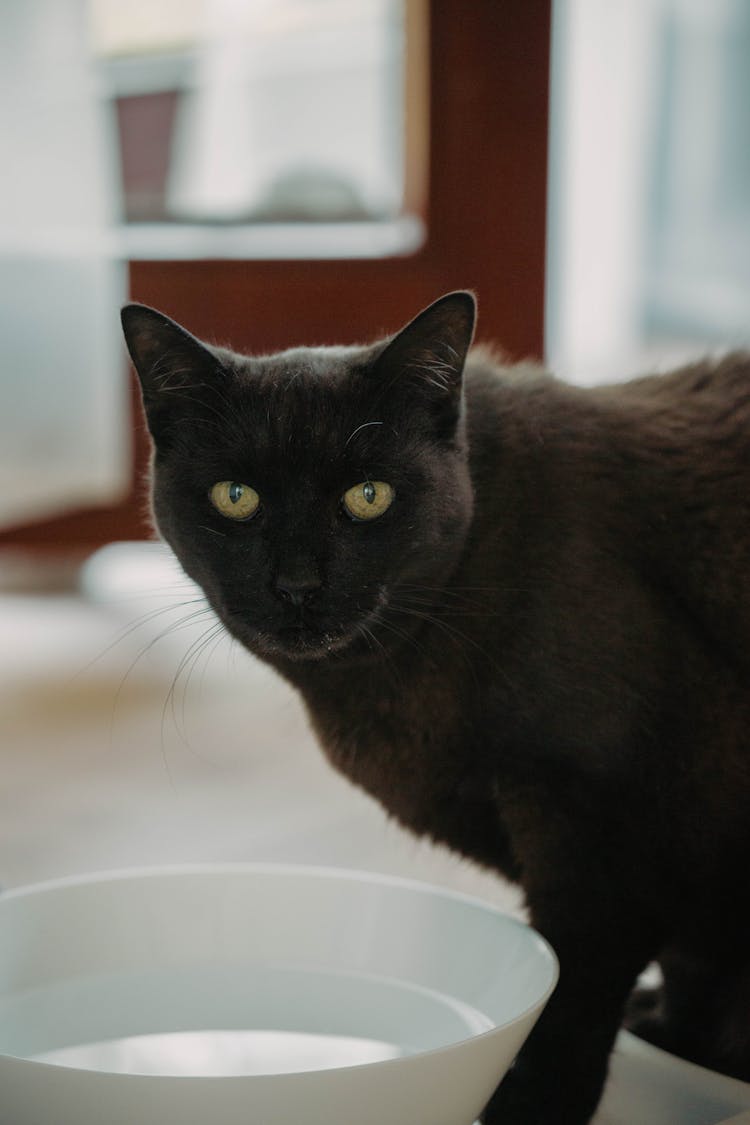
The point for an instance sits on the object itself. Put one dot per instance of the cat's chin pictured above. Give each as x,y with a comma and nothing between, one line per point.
297,645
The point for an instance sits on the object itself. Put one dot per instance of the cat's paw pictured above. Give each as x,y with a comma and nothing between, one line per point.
645,1017
644,1005
695,1041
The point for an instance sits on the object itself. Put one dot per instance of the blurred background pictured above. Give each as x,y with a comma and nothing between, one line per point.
279,172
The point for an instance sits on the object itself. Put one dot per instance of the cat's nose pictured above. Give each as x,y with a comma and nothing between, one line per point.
297,591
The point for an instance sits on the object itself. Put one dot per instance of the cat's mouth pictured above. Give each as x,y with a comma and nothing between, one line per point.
296,641
305,637
302,642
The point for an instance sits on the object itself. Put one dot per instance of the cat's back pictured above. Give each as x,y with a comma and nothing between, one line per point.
708,400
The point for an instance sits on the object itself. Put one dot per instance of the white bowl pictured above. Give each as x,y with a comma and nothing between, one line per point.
652,1087
260,994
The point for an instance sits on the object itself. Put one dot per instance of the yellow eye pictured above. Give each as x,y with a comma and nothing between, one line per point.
368,500
234,500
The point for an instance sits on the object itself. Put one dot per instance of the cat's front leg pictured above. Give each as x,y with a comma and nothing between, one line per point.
700,1011
560,1072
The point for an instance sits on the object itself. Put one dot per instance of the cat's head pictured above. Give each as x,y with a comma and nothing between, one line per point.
307,492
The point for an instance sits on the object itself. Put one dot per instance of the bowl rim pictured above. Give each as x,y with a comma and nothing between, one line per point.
711,1081
265,867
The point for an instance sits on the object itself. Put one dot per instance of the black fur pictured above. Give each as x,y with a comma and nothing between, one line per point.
537,655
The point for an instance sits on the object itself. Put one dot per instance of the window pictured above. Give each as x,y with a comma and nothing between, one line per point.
260,114
650,183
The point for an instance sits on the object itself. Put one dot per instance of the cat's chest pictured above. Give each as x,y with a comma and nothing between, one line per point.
408,743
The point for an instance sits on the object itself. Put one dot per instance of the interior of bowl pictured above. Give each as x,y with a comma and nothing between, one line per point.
255,970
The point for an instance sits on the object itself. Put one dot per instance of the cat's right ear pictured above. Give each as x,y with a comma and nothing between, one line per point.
176,371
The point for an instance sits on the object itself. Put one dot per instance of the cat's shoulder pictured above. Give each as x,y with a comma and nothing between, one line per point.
488,364
523,395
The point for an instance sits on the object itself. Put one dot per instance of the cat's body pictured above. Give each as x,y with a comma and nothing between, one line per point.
535,653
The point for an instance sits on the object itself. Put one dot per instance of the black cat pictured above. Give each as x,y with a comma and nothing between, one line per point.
517,612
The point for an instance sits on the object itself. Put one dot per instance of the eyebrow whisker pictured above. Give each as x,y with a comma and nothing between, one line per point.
362,427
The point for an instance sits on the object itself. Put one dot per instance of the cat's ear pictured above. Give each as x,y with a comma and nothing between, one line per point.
426,358
178,373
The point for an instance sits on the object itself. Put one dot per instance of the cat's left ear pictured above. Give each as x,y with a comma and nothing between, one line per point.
426,358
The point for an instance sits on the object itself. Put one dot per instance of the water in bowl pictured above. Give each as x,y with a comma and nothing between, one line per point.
222,1053
220,1020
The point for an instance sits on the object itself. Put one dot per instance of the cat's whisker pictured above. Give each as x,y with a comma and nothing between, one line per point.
460,592
188,661
458,637
374,642
175,626
138,623
472,610
460,605
221,637
405,636
153,593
